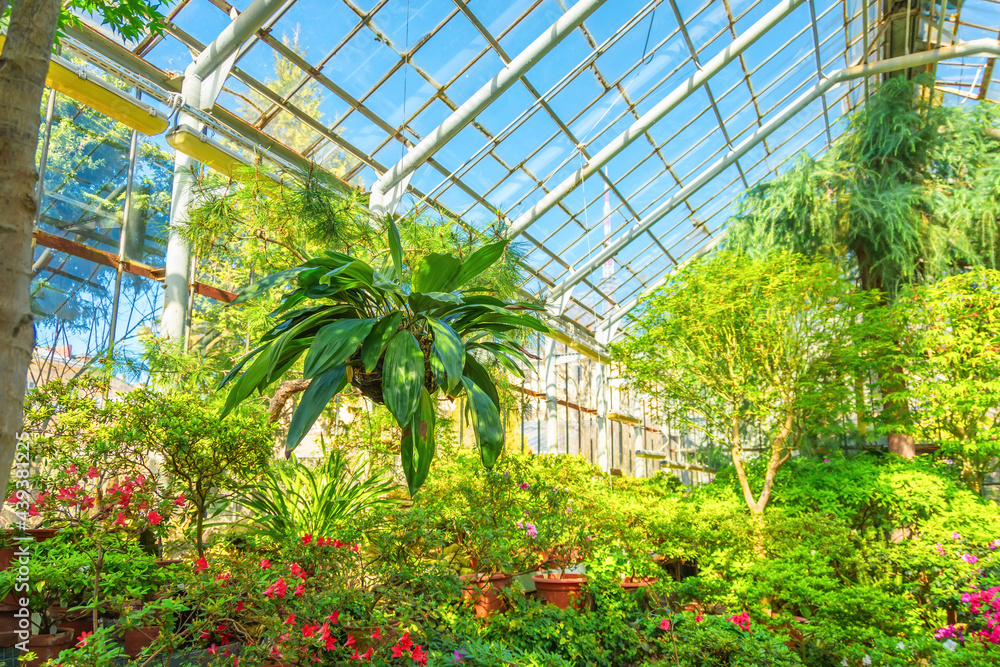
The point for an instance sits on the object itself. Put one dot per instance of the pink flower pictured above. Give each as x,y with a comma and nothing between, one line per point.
969,558
994,544
665,624
154,518
742,621
72,469
956,536
93,473
939,548
213,649
697,619
524,486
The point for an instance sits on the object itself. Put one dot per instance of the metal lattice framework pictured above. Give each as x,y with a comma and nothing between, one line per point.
613,137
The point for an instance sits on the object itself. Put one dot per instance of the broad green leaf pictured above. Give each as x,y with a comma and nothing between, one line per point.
485,423
395,247
500,353
266,284
475,372
299,330
319,392
450,350
435,272
243,362
417,446
251,378
516,320
379,337
334,344
288,357
431,301
479,261
402,376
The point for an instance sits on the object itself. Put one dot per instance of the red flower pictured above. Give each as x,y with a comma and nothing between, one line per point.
418,656
665,624
239,606
334,617
355,655
307,538
222,577
154,518
350,641
83,639
93,473
291,619
72,469
298,571
33,510
179,500
120,521
377,634
277,589
265,564
397,651
200,564
406,642
309,630
367,655
300,590
213,649
355,547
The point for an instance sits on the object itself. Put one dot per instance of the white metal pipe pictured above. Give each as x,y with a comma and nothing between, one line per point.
654,115
977,47
233,36
490,91
551,398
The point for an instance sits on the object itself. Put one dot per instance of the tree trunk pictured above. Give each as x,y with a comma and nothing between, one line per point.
24,64
900,444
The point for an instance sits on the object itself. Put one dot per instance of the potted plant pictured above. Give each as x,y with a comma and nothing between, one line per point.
397,335
567,540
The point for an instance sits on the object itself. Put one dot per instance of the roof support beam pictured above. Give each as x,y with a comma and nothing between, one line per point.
482,98
654,115
967,49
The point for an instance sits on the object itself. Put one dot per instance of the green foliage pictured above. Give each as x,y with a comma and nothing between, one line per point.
909,193
439,335
734,345
716,642
293,498
949,354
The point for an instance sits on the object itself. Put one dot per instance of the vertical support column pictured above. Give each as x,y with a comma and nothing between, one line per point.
173,321
601,405
551,404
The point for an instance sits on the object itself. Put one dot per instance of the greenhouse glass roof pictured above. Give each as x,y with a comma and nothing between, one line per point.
620,149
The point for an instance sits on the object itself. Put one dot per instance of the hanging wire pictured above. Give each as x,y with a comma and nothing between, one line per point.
652,17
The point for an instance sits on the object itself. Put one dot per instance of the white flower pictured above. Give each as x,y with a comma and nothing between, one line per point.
813,552
950,645
900,645
866,660
844,662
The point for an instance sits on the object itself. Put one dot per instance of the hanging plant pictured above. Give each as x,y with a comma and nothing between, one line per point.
397,341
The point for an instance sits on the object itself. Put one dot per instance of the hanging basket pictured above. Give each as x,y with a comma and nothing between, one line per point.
370,384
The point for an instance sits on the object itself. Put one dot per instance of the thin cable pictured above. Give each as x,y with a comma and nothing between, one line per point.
649,32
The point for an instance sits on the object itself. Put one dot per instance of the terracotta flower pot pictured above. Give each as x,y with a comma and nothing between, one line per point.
6,558
77,621
483,592
42,534
561,590
47,647
8,622
136,639
634,583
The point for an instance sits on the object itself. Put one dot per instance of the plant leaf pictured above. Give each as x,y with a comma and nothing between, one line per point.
251,378
236,369
450,350
435,272
334,344
319,392
479,261
395,247
417,447
485,423
402,376
432,301
475,372
378,338
265,284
